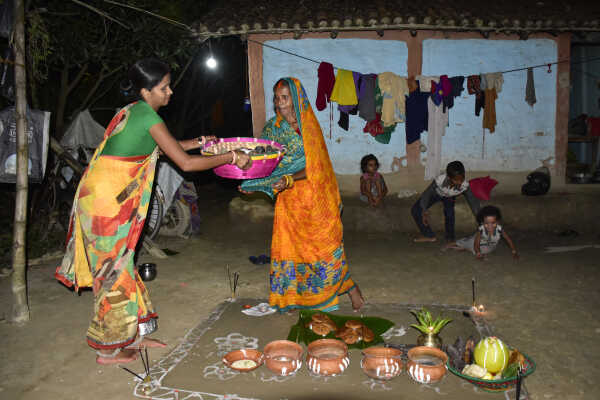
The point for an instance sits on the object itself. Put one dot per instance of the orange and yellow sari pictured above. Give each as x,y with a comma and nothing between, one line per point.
107,219
308,263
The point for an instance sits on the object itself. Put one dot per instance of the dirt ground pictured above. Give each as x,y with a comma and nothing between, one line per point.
545,304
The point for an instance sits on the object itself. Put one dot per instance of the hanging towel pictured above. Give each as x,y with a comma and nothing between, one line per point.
374,127
494,80
489,113
425,82
344,89
416,115
366,97
530,88
436,124
325,85
394,89
473,87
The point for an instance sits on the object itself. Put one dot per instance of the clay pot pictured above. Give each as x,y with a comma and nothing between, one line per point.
283,357
327,357
426,364
382,363
243,354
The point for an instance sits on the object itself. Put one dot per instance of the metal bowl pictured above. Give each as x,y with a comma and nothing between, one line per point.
147,271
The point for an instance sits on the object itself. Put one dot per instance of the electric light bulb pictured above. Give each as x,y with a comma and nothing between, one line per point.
211,62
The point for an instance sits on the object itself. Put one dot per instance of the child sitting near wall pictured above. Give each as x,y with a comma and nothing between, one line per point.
444,188
489,233
372,185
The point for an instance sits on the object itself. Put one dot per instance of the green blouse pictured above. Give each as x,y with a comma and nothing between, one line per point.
134,139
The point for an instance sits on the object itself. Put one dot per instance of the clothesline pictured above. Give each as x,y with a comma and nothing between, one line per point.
502,72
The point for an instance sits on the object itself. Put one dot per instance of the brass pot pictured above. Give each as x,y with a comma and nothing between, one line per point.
429,340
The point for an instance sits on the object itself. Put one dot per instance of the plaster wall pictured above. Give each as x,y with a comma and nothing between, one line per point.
345,147
524,135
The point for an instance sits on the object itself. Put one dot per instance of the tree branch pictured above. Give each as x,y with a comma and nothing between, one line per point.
75,81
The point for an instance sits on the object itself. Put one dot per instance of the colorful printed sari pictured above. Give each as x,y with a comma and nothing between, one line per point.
107,219
308,263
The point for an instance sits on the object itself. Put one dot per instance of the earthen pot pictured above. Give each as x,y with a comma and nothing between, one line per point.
283,357
382,362
243,354
327,357
426,364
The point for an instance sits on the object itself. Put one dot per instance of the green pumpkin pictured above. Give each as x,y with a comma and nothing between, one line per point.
492,354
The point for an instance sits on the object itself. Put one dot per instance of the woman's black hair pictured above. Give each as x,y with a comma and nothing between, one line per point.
365,160
455,168
488,211
144,74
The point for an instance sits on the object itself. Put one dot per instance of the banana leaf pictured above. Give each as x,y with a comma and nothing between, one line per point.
300,333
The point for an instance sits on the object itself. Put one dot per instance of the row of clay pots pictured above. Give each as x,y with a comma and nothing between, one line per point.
329,357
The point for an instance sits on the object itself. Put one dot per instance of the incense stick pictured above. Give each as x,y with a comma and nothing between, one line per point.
473,288
131,372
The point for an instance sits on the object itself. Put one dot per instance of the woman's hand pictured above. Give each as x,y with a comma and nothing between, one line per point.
280,185
243,191
242,160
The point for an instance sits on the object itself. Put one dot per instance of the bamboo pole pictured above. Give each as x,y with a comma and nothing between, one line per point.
20,310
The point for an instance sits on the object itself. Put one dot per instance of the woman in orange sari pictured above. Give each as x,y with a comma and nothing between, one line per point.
109,211
308,262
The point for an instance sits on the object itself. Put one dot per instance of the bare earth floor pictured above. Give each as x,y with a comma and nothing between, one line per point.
546,304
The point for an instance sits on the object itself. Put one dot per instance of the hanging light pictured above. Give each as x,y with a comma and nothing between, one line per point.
211,62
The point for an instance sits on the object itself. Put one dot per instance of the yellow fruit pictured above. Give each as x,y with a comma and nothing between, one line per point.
492,354
488,377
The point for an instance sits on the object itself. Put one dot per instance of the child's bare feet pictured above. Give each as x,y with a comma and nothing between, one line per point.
422,239
118,356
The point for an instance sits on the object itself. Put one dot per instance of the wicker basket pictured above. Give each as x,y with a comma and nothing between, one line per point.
262,164
498,385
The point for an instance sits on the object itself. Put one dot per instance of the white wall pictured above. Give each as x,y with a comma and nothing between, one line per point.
346,148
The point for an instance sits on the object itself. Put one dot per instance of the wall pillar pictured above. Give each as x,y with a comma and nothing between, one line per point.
563,82
256,87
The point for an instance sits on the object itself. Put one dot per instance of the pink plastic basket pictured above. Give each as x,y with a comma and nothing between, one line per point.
262,165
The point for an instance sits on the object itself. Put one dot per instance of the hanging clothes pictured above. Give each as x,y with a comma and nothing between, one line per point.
489,113
457,86
366,97
493,80
425,82
530,88
436,124
474,87
325,85
382,134
374,127
416,115
394,89
344,89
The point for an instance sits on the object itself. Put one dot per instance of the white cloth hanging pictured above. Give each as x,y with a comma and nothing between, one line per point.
437,123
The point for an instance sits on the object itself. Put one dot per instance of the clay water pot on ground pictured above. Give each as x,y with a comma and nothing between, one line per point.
327,357
283,357
147,271
426,364
381,362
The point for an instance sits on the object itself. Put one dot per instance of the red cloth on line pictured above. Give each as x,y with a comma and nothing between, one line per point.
325,85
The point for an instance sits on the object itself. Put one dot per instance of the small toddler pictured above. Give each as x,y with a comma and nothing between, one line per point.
489,233
372,185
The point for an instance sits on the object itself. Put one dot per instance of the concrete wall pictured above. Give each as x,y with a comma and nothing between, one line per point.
524,136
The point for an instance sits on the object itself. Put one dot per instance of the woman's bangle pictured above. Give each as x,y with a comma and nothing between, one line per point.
289,181
233,157
514,251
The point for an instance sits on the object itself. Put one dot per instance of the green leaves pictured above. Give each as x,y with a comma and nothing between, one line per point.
426,323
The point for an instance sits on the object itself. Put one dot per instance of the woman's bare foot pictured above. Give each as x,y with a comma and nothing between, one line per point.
107,357
422,239
356,298
147,342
